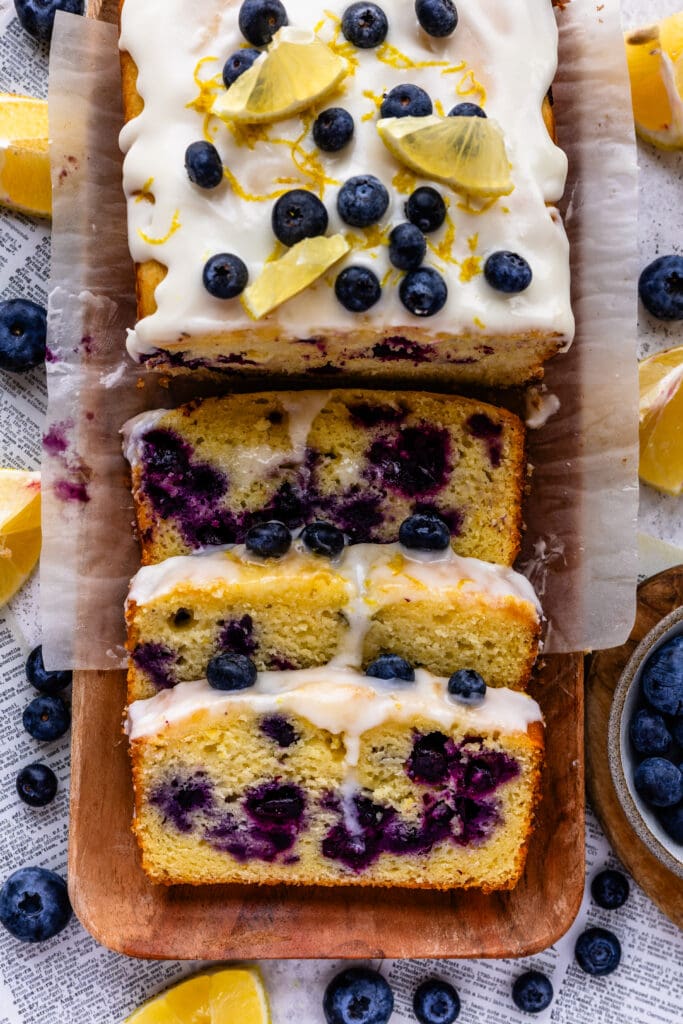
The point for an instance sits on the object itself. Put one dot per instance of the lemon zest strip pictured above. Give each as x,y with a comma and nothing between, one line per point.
395,58
175,224
469,85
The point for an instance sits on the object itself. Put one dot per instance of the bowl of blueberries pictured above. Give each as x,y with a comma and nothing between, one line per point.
645,741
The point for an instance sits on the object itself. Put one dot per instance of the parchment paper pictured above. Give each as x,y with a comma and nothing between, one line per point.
580,548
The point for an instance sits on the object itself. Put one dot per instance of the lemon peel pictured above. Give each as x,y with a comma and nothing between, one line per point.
655,63
661,420
214,997
25,183
20,535
300,267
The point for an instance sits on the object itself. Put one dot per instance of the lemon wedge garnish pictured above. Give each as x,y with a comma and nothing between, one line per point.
655,65
231,996
467,153
19,529
297,70
281,280
661,420
24,157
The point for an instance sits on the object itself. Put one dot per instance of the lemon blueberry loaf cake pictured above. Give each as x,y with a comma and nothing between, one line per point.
327,187
325,778
362,461
304,604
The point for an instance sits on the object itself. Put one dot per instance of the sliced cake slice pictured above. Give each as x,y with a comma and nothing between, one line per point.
364,461
318,778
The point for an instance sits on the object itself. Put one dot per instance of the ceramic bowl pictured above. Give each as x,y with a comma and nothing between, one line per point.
621,756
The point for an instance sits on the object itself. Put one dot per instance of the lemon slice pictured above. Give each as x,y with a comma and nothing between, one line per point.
19,529
661,420
24,157
231,996
281,280
467,153
297,70
655,65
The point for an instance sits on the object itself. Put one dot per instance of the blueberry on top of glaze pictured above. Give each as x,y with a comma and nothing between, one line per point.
333,129
259,20
323,539
391,666
508,272
423,292
358,289
365,25
467,686
438,18
225,276
424,531
406,100
203,165
297,215
362,201
268,540
426,209
231,672
407,247
237,63
467,110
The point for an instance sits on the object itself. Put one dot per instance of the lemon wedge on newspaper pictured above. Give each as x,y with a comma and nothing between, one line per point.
231,996
655,64
661,420
297,70
24,157
467,153
301,265
19,529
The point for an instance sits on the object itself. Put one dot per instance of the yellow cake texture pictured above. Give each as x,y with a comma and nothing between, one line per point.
332,783
364,461
304,610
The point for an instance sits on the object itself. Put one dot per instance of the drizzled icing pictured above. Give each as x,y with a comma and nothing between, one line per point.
339,700
184,225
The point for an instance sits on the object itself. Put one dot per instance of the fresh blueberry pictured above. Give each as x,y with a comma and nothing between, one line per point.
38,16
610,889
362,201
507,272
467,687
231,672
323,539
426,209
34,904
406,101
225,276
358,996
663,678
438,18
532,992
268,540
36,785
661,288
649,734
297,215
46,717
333,129
671,820
424,531
436,1002
423,292
259,20
358,289
203,165
659,782
237,64
365,25
467,110
391,666
23,326
597,951
38,676
407,247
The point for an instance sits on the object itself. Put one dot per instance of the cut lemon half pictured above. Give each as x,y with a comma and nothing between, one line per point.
281,280
661,420
655,65
467,153
231,996
297,70
24,157
19,529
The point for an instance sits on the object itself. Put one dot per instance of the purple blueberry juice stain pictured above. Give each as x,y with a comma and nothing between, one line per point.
278,729
182,801
373,415
401,349
68,491
482,427
413,461
55,441
237,636
157,662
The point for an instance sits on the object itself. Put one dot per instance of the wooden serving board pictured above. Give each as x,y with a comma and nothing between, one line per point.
124,911
656,598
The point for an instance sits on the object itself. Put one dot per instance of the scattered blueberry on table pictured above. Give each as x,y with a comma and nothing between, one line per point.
46,718
598,951
610,889
661,288
268,540
36,785
231,672
38,16
38,676
391,666
358,995
365,25
259,20
34,904
23,330
532,992
436,1002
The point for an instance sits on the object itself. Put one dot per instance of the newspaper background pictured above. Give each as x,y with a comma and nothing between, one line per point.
71,979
